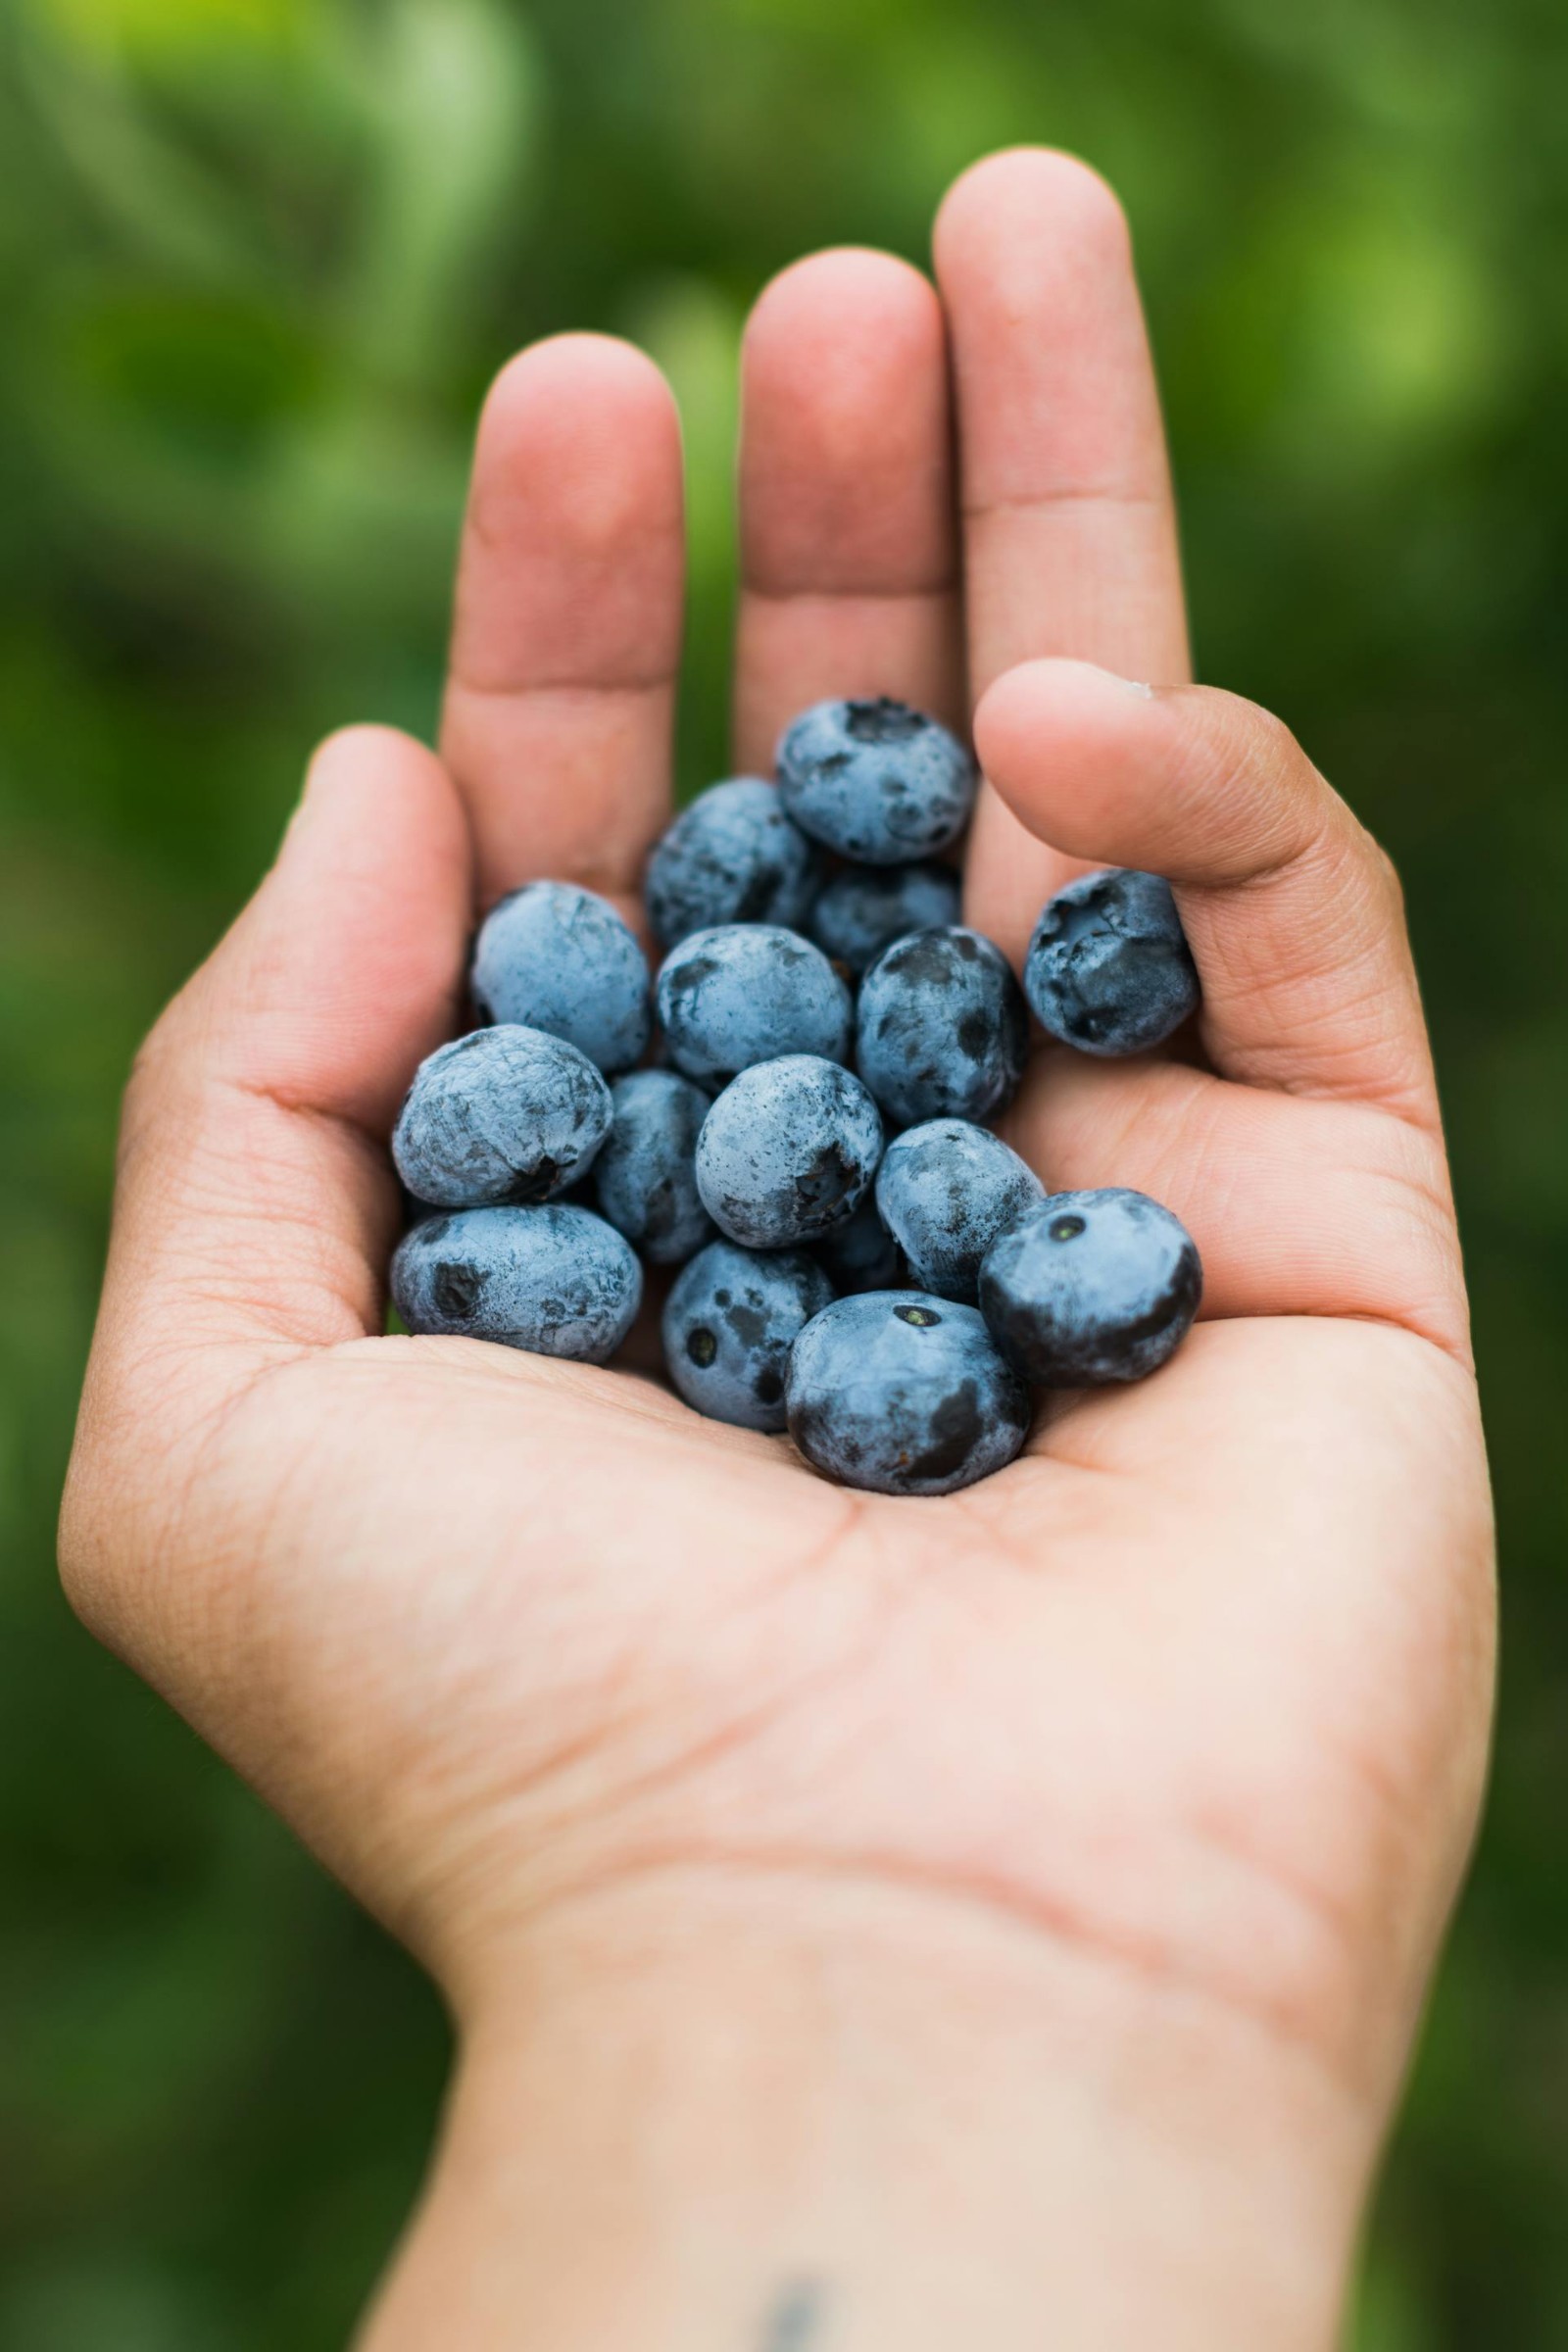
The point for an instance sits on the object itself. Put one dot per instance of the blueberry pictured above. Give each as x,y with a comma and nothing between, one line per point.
554,1279
903,1394
875,780
505,1114
745,993
645,1177
1092,1287
865,909
942,1028
729,1324
946,1190
861,1254
558,957
733,856
788,1153
1108,968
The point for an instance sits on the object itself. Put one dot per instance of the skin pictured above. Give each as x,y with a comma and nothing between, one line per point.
870,1924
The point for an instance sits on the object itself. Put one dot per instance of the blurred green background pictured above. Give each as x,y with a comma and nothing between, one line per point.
257,261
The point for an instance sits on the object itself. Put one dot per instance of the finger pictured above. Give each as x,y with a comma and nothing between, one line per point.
1298,1208
1292,910
848,544
1069,528
255,1202
561,699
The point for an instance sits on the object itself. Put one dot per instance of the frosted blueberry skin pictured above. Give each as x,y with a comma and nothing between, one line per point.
745,993
946,1192
903,1394
1092,1288
645,1176
876,781
729,1325
1108,968
942,1031
503,1115
861,1254
558,957
554,1279
733,856
788,1153
865,909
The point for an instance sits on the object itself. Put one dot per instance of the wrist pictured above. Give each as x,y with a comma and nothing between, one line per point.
700,2115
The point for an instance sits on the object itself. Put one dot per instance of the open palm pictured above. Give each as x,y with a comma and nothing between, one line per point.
1196,1690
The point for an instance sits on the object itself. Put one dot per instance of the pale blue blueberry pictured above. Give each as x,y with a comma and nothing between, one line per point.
505,1114
645,1177
733,856
560,959
1091,1287
729,1324
875,780
942,1031
903,1394
946,1190
554,1280
865,909
1108,968
750,992
788,1153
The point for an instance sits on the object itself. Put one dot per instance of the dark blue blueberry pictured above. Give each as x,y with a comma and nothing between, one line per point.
865,909
875,780
560,959
505,1114
903,1394
1108,968
946,1190
554,1279
645,1177
729,1324
861,1254
788,1153
745,993
1092,1287
733,856
941,1029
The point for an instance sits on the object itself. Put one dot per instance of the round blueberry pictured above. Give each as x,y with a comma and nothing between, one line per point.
861,1254
505,1114
1108,968
729,1324
788,1153
946,1190
733,856
560,959
1092,1287
554,1279
942,1030
865,909
875,780
903,1394
747,992
645,1177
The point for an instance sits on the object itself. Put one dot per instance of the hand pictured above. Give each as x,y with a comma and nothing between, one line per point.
982,1921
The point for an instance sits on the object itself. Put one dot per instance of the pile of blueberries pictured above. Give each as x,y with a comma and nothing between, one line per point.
863,1260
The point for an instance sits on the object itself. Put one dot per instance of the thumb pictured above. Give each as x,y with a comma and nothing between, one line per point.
255,1200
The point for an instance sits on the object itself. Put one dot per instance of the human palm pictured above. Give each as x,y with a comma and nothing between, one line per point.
1196,1690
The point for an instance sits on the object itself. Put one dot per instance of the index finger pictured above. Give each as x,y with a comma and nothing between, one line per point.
560,705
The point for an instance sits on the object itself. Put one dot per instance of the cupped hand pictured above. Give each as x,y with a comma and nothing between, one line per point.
1190,1705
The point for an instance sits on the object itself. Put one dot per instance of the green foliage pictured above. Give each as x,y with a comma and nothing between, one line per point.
257,261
